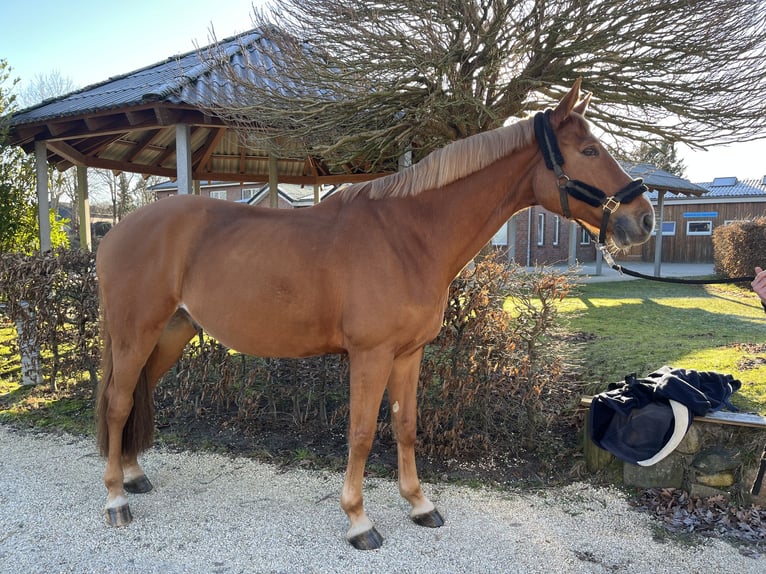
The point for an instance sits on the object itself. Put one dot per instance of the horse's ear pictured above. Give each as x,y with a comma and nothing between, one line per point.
583,105
566,105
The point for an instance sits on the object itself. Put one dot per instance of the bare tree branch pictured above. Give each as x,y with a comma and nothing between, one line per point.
358,82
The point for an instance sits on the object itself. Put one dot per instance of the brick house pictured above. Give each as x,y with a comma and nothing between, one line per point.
254,193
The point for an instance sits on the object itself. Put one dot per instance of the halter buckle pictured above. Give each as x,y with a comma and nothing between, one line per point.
611,204
606,255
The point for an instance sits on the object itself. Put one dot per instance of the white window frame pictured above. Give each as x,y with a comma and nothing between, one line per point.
556,229
709,230
669,232
501,237
540,229
248,192
218,194
584,236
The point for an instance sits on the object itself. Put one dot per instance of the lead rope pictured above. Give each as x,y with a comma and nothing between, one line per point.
623,271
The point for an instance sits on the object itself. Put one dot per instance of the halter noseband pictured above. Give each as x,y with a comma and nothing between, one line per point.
546,139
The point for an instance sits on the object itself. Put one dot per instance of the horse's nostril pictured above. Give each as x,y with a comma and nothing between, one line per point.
648,221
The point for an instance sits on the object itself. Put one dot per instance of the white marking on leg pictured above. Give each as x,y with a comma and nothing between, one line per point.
423,508
362,525
395,407
117,502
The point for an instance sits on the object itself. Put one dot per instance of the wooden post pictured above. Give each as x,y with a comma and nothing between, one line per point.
572,261
183,159
83,207
273,181
658,233
512,239
43,201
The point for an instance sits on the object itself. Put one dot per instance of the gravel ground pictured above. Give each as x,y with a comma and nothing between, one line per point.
213,514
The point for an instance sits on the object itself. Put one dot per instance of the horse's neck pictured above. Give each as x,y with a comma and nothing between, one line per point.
467,213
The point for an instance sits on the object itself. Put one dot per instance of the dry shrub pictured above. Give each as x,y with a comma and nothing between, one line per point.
54,295
488,375
488,382
255,394
739,247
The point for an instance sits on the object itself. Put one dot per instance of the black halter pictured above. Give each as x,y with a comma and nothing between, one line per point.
546,139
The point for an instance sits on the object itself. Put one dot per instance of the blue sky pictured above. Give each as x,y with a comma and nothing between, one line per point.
90,41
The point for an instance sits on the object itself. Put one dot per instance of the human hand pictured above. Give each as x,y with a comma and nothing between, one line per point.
759,283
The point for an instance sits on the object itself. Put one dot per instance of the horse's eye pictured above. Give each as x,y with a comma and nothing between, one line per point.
591,151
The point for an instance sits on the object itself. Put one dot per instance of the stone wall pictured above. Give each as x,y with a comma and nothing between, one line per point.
712,459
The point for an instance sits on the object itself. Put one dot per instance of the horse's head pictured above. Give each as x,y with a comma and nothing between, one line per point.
581,180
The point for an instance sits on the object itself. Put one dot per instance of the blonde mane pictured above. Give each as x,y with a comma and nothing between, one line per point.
448,164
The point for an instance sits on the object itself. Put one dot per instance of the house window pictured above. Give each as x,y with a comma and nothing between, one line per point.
501,237
541,229
668,228
248,192
584,236
699,227
218,194
556,229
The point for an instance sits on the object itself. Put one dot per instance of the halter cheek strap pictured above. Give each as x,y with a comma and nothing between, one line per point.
554,160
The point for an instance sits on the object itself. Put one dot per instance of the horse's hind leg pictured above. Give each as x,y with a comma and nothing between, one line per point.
402,395
168,349
127,381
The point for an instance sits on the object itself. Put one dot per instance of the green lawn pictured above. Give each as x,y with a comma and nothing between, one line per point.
638,326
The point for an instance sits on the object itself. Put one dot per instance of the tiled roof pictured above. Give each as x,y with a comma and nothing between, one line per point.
128,122
659,179
724,188
733,187
182,79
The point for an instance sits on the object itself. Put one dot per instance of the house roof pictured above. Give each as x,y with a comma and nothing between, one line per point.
296,195
725,189
127,123
733,187
657,179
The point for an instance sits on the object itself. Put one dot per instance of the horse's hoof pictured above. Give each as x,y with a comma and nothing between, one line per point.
430,519
138,485
119,516
369,540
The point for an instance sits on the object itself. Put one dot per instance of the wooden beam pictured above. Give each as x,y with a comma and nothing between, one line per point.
120,125
202,156
70,154
299,179
43,206
139,117
146,140
99,123
93,145
167,117
60,128
83,207
273,181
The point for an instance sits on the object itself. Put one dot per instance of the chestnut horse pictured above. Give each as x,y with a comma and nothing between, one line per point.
365,272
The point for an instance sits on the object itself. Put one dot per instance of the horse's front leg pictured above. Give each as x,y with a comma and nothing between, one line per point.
369,373
402,394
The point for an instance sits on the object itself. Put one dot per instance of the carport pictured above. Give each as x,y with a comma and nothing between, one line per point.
156,121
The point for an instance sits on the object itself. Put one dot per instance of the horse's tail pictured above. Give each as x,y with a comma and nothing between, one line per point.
138,432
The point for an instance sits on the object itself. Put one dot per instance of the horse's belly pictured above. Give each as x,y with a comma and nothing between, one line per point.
265,333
